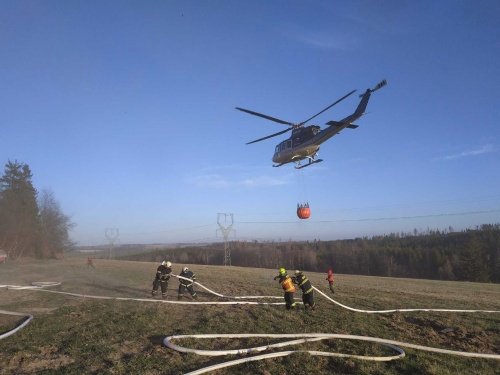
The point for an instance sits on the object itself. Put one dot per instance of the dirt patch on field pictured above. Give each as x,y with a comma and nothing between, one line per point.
458,336
124,351
47,359
445,333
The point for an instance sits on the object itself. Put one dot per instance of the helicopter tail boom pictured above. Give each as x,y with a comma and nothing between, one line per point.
360,110
338,124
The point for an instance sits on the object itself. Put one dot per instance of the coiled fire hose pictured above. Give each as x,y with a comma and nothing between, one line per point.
310,337
28,317
297,338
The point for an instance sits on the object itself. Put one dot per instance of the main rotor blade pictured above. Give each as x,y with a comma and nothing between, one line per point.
264,116
270,136
330,106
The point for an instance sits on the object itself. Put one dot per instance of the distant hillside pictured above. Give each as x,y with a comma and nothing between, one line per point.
470,255
119,251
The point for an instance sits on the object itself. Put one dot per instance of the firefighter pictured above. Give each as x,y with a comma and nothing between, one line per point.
307,290
287,285
187,284
329,277
161,279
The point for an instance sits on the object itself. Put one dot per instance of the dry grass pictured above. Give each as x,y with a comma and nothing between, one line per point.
81,335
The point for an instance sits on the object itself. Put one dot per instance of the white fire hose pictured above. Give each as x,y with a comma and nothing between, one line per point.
29,317
310,337
303,338
297,338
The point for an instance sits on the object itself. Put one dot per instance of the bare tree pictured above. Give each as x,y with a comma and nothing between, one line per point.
55,226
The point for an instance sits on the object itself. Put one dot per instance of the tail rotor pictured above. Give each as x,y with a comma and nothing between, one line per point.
377,86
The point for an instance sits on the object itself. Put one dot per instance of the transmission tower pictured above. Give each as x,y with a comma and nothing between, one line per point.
112,235
225,222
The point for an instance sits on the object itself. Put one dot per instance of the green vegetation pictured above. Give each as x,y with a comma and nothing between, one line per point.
71,335
30,227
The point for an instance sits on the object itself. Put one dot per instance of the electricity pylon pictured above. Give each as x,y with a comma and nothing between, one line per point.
112,235
225,222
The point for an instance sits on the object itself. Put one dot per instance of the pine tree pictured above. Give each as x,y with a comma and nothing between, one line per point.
19,219
474,262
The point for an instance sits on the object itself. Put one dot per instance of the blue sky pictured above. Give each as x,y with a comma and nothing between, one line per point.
125,110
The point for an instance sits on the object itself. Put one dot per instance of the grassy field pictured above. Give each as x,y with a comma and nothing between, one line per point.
71,335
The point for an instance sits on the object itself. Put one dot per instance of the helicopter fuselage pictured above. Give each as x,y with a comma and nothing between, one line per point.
305,141
299,146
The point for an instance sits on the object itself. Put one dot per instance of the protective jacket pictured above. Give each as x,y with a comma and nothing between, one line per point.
287,284
303,282
163,273
188,274
329,276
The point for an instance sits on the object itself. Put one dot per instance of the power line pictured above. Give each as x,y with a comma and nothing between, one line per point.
173,231
375,219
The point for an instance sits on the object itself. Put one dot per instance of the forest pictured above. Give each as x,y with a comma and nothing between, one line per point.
469,255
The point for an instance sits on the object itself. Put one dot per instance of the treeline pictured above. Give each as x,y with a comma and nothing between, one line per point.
470,255
31,225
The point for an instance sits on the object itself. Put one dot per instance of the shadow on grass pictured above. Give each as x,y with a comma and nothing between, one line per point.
157,340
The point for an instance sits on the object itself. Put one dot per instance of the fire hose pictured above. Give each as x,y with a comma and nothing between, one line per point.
297,338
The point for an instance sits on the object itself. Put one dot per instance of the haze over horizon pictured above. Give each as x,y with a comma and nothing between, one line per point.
126,111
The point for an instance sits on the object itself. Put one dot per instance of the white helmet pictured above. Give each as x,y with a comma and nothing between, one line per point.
169,264
185,269
163,263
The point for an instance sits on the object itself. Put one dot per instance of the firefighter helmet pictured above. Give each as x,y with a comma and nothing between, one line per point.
185,269
297,272
169,264
282,271
163,263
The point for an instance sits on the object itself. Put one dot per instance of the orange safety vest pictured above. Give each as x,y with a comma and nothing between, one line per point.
287,285
329,276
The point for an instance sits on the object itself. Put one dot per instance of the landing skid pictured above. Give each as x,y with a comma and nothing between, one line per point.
308,164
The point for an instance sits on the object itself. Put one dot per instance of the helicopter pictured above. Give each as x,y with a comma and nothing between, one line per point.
305,141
